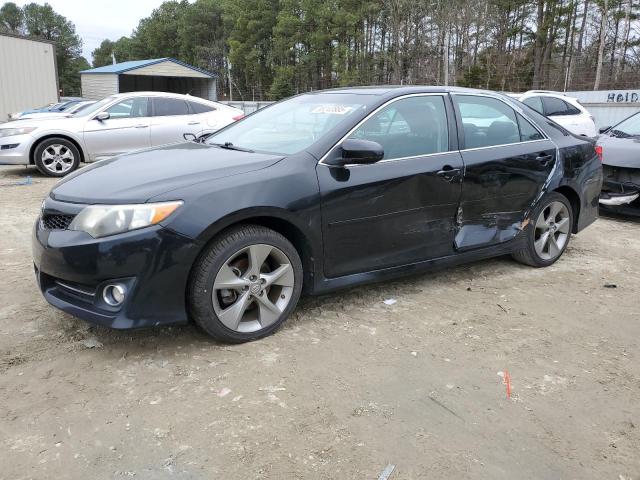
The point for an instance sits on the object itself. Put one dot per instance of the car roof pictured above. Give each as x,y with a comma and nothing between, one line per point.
162,94
396,90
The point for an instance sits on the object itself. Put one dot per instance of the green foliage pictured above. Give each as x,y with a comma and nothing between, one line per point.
102,54
282,86
11,18
270,49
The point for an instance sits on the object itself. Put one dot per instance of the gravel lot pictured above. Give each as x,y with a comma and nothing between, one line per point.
347,386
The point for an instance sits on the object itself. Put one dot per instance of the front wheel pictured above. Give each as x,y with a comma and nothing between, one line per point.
56,157
245,284
548,237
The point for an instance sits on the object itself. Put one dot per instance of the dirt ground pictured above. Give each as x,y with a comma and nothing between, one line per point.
346,387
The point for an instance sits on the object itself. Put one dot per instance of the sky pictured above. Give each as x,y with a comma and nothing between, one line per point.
96,20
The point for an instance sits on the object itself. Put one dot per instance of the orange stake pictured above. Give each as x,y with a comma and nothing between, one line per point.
507,382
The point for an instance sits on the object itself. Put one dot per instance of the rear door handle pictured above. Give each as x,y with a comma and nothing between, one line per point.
448,172
544,159
141,126
193,123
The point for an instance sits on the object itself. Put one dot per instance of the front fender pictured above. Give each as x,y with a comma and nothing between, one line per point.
286,192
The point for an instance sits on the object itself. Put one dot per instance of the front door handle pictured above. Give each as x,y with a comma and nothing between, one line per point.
544,159
448,172
141,126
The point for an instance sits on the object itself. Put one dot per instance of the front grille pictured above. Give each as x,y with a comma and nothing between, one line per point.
57,222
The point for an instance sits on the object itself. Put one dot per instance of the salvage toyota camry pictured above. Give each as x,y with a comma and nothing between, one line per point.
318,192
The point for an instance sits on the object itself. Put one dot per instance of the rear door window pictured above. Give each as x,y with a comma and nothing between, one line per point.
197,107
535,103
409,127
486,121
558,107
168,107
527,131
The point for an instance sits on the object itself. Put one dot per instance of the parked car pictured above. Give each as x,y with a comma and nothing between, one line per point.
620,152
64,104
319,192
67,112
117,124
562,109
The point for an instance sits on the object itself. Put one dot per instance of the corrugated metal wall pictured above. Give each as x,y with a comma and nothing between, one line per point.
96,86
27,75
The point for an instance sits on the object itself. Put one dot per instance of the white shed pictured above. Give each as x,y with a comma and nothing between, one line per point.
160,75
28,76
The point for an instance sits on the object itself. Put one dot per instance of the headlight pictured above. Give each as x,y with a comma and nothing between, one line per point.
103,220
10,132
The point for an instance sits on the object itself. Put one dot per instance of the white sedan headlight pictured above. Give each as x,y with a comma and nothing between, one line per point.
103,220
10,132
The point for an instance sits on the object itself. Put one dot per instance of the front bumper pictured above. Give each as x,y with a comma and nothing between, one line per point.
621,190
15,150
72,269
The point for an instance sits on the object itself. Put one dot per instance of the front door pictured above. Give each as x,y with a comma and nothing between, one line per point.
126,129
402,209
507,161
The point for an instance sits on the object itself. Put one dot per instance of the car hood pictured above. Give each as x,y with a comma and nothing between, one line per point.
138,176
43,115
620,152
48,122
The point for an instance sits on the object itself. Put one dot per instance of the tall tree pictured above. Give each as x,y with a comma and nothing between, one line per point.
11,18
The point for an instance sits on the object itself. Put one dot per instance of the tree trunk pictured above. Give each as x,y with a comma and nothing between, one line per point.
538,47
625,42
603,34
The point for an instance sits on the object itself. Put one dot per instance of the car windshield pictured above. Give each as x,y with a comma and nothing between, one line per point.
628,128
94,107
54,106
84,106
292,125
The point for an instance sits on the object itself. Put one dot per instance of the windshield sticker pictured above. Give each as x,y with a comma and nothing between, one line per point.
332,109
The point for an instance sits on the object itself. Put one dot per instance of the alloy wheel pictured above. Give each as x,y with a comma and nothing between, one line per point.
57,158
552,231
253,288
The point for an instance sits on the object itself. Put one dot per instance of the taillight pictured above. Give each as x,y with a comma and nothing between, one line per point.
238,117
598,149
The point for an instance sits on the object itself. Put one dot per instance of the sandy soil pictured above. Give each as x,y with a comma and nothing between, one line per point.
346,387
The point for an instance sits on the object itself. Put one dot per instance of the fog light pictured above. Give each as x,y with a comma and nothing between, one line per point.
114,294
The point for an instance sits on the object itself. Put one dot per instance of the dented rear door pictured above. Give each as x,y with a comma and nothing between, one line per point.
507,163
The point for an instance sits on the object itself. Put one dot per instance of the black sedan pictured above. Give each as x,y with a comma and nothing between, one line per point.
620,149
322,191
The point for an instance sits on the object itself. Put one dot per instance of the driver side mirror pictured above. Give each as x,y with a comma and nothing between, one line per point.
359,152
604,129
102,116
189,137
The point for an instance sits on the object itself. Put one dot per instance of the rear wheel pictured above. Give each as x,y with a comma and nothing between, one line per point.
245,284
56,157
549,233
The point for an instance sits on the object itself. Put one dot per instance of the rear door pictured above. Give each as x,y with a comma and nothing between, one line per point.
126,129
402,209
172,118
507,161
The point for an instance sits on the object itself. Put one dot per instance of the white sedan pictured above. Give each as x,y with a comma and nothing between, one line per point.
115,125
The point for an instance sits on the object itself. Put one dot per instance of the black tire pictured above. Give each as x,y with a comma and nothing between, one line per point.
529,255
215,255
52,143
